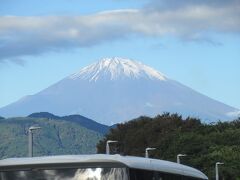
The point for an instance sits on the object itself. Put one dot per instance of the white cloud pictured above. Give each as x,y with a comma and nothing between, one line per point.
148,104
21,36
234,114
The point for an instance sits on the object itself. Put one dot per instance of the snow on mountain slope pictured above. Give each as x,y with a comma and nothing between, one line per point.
117,68
115,90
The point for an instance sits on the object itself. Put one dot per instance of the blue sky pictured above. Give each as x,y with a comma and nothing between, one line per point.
197,44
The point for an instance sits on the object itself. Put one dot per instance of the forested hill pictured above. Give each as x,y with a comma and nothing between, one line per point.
205,144
55,137
83,121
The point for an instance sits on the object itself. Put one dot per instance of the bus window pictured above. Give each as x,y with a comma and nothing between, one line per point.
139,174
68,174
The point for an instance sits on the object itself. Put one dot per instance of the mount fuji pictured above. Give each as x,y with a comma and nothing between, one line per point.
115,90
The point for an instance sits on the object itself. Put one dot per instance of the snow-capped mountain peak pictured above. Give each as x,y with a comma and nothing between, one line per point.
115,90
117,68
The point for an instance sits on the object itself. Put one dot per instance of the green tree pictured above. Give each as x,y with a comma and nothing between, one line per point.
205,144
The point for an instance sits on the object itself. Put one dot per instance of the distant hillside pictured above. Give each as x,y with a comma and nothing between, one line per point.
1,117
205,144
44,115
55,137
83,121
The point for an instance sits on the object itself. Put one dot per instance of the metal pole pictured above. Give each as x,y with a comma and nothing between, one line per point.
30,140
108,147
178,157
217,172
146,151
217,177
178,160
30,143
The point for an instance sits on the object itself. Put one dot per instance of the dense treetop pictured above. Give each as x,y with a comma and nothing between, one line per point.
205,144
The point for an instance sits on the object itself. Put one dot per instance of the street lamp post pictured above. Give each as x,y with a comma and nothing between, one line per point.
30,139
178,157
216,166
146,151
107,145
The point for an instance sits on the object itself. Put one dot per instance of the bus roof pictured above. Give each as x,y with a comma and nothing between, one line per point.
129,161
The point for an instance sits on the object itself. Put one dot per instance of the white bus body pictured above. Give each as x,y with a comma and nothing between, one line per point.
95,167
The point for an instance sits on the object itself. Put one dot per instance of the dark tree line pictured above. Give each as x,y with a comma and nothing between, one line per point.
205,144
